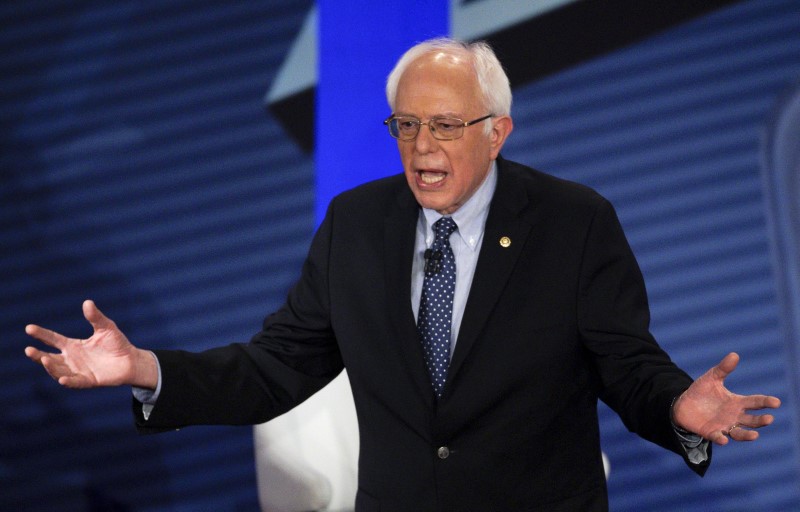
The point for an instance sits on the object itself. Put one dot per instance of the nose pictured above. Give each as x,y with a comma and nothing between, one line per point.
425,141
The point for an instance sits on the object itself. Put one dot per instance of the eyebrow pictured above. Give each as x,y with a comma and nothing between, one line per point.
442,114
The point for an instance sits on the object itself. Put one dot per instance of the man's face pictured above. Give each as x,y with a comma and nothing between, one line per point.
443,174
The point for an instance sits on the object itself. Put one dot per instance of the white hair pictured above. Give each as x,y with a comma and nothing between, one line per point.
492,80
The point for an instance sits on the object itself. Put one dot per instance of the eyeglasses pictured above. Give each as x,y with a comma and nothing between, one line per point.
441,127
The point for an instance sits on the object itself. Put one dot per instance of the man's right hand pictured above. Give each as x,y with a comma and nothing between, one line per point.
106,358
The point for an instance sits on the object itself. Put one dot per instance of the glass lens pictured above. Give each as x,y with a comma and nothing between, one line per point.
446,128
405,128
393,131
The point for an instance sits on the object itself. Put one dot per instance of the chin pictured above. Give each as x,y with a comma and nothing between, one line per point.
429,204
443,210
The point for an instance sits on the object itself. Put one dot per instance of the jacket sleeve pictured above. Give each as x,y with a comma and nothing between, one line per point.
638,379
293,356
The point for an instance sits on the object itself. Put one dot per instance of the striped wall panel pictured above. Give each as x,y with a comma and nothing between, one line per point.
141,169
670,131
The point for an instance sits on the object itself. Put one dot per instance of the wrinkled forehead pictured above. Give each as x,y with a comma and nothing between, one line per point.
449,58
442,63
441,75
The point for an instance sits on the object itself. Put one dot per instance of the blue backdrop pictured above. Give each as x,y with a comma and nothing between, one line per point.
359,42
141,168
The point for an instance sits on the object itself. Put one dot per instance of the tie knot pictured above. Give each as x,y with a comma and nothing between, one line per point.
443,228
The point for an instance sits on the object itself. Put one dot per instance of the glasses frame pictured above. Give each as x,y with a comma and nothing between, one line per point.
434,132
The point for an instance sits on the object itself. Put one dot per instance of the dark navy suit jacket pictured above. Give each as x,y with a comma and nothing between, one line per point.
554,321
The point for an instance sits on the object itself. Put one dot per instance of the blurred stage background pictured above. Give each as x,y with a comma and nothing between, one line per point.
160,158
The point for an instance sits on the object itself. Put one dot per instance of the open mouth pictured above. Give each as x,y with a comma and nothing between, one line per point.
431,177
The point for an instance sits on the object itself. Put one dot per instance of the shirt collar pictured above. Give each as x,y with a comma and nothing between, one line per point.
471,216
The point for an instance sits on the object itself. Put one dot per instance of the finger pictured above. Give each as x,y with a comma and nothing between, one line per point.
46,336
726,366
718,437
35,354
74,381
96,317
755,402
757,421
48,366
60,371
742,434
54,366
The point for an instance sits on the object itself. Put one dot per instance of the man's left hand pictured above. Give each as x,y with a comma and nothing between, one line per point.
710,410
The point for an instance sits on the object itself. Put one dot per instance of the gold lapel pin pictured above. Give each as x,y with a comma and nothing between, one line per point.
505,241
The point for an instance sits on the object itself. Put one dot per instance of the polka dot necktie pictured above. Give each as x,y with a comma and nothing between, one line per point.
436,305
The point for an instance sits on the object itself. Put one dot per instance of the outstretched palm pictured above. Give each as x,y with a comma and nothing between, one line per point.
709,409
106,358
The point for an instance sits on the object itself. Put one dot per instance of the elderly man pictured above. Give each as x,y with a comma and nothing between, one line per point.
489,309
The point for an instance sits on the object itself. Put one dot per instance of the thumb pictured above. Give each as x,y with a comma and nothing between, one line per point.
726,366
96,317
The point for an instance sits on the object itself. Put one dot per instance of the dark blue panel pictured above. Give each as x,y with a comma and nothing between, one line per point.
140,169
781,172
669,129
359,44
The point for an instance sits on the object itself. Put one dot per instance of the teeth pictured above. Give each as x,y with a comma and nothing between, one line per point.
431,177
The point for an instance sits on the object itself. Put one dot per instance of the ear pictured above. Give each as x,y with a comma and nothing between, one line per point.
501,129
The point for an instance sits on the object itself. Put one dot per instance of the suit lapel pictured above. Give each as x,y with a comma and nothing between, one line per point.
505,223
399,236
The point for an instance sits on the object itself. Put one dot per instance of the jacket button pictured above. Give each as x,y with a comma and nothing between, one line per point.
443,452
